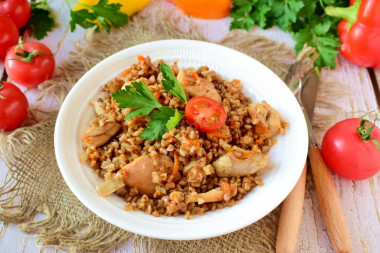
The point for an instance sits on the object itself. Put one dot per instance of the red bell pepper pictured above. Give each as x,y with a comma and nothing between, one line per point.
359,31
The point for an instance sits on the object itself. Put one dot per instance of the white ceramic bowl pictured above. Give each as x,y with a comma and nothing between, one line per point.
286,159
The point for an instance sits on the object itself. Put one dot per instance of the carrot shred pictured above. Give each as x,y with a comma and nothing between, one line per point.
260,129
226,188
259,140
193,142
246,155
175,165
157,95
194,75
126,72
218,134
141,59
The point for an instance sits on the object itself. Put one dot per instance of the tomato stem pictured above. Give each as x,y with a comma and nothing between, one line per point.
1,87
26,56
364,130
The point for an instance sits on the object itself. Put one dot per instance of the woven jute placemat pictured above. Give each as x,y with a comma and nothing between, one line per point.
34,182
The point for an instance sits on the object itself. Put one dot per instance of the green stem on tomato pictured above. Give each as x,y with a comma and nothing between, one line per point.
26,56
364,130
1,87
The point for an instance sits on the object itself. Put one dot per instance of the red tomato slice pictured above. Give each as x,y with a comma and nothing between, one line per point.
205,114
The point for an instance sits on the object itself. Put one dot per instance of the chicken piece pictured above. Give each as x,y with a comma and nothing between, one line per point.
196,86
139,172
238,162
266,119
214,195
98,135
98,107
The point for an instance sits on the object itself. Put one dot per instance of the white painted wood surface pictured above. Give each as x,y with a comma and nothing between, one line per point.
351,93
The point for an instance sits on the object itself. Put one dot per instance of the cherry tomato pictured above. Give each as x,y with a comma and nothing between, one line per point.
8,34
30,74
18,10
13,106
205,114
347,154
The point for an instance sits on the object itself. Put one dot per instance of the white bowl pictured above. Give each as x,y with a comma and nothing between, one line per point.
286,158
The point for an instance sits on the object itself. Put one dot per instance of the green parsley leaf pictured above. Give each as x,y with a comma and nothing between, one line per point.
289,16
41,19
305,19
163,119
81,17
171,83
141,98
174,120
102,12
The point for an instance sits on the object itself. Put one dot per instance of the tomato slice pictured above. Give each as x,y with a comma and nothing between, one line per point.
205,114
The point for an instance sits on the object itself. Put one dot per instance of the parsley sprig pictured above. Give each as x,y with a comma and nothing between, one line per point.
306,20
106,14
141,99
41,19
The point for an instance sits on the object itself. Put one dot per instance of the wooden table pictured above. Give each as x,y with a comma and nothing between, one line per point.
360,200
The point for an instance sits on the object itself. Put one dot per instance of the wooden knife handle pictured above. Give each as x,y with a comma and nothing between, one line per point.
329,203
291,216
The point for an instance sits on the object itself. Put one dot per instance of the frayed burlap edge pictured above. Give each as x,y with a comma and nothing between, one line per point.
68,224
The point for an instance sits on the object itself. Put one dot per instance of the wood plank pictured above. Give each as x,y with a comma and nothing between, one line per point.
350,90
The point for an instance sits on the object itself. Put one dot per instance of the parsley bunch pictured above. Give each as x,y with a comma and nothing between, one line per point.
141,99
305,19
41,19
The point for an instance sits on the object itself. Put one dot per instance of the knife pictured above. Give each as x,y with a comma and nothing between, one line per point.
327,196
292,207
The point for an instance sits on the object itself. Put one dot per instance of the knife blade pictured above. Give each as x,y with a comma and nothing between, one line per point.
292,206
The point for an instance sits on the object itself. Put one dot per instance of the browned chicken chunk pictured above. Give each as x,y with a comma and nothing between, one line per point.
197,86
98,135
267,119
139,172
236,164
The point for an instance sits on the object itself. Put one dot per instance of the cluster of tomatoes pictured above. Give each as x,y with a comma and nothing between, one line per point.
27,64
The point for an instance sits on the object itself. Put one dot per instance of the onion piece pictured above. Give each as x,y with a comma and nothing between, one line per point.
109,186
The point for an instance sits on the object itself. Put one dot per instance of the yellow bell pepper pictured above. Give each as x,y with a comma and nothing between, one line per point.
128,6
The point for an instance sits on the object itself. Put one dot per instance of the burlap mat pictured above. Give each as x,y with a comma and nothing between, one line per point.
34,182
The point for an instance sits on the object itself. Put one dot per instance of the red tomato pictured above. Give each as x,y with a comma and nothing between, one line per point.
205,114
347,154
8,34
30,74
18,10
13,107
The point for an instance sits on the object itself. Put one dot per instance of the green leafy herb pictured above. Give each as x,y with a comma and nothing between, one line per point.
306,20
162,120
171,83
141,98
174,120
364,130
41,19
103,12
